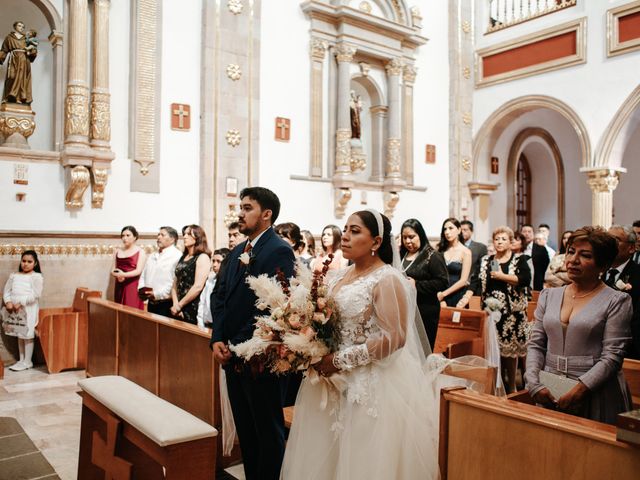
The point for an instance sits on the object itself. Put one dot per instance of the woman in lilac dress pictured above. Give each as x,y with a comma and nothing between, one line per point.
581,331
128,266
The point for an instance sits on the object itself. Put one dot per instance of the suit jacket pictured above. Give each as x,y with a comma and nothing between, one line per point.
233,308
478,250
540,259
631,274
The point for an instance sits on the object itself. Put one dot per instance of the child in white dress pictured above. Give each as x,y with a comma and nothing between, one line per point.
20,313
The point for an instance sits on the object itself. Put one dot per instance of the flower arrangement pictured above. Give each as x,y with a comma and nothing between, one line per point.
301,326
493,304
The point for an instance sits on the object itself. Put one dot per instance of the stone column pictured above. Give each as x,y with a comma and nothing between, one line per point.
344,55
481,196
392,168
318,49
378,116
77,101
100,108
603,181
408,79
56,40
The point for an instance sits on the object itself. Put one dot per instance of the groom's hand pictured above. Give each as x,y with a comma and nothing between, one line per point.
221,353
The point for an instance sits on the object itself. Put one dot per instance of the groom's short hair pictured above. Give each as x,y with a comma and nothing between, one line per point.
265,198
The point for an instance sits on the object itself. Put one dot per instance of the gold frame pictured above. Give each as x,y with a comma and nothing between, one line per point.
579,26
614,47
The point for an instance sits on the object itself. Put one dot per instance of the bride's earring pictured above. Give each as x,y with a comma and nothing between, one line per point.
373,252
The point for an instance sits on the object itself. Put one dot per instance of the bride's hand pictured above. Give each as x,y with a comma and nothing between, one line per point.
325,367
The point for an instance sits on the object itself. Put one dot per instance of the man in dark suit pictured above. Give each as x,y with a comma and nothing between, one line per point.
636,229
256,397
538,254
478,250
624,275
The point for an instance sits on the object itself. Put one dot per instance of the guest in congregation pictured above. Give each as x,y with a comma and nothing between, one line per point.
234,235
458,259
636,255
581,332
309,250
538,255
204,307
505,279
159,272
330,241
556,274
478,250
21,298
290,233
427,270
624,275
518,243
546,229
542,239
192,272
128,265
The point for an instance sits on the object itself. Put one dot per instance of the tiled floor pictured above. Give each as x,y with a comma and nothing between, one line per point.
49,409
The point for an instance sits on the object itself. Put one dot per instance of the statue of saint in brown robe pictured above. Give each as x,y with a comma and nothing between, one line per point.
20,55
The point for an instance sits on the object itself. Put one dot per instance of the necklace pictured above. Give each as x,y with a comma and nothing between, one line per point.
575,295
406,257
355,276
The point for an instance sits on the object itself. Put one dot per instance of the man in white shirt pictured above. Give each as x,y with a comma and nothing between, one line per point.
542,239
159,273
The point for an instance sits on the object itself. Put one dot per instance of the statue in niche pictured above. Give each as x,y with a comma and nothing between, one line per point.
21,49
355,106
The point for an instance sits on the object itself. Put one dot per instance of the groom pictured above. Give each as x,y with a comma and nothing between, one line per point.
256,398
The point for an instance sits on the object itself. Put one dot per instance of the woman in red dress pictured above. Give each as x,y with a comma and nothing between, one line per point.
128,265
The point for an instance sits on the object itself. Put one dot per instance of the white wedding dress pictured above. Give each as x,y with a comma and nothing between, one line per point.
376,418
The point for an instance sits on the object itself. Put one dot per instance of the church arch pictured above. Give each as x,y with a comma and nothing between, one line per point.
626,121
50,13
525,137
489,133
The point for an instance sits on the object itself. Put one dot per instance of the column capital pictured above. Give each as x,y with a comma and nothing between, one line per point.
55,38
482,188
394,66
345,52
603,180
317,48
409,73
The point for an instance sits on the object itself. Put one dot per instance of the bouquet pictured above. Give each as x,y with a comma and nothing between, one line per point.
301,327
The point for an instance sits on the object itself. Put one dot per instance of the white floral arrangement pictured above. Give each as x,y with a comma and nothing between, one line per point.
301,326
493,304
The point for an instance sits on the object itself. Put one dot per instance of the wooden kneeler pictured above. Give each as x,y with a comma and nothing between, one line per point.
129,433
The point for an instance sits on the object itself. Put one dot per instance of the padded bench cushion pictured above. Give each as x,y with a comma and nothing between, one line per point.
159,420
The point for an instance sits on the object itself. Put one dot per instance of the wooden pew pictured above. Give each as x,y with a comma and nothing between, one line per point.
63,332
475,302
170,358
461,332
531,310
631,369
482,436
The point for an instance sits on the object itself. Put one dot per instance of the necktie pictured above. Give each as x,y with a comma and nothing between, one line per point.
636,257
248,247
611,276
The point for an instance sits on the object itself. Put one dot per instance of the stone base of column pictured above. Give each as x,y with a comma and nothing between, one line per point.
17,124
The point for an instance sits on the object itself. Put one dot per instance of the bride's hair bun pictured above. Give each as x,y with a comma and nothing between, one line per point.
386,249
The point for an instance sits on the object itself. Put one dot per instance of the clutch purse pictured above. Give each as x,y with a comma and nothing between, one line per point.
558,385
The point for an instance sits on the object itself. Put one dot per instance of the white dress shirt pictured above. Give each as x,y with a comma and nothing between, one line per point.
204,307
160,271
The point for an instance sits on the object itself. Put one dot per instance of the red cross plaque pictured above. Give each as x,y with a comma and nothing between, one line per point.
283,129
180,116
495,165
430,156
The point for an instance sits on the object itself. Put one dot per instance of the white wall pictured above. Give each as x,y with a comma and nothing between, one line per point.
625,196
285,86
177,202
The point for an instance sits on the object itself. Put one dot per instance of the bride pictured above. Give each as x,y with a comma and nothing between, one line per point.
371,412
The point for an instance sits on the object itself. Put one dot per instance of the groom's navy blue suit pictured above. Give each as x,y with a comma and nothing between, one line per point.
256,400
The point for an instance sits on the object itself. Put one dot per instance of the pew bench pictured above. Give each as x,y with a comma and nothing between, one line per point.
461,332
129,433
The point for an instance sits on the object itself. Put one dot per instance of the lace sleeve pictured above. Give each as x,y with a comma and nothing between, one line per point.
391,311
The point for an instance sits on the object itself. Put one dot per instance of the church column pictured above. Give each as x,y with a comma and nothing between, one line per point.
603,181
392,169
481,196
318,49
378,116
100,102
408,79
344,55
76,155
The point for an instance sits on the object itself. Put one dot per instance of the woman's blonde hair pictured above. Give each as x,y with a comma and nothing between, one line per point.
502,229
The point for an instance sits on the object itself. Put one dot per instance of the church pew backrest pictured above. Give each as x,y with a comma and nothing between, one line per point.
460,332
631,370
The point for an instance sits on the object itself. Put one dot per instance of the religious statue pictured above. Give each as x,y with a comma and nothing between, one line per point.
20,49
355,106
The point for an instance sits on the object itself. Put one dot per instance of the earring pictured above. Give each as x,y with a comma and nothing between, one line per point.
373,252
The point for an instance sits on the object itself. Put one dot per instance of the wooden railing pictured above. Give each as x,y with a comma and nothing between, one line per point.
506,13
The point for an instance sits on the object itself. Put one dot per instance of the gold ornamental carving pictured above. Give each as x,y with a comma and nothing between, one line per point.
603,181
17,123
235,6
390,200
364,69
394,67
99,178
365,7
341,197
466,73
466,163
398,9
79,179
233,137
101,117
393,157
234,72
345,52
68,250
76,111
466,118
409,74
466,26
318,48
231,216
343,149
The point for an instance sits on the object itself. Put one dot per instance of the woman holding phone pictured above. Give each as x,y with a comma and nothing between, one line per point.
505,277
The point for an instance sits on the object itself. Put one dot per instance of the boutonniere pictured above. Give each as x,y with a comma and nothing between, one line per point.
623,286
245,258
